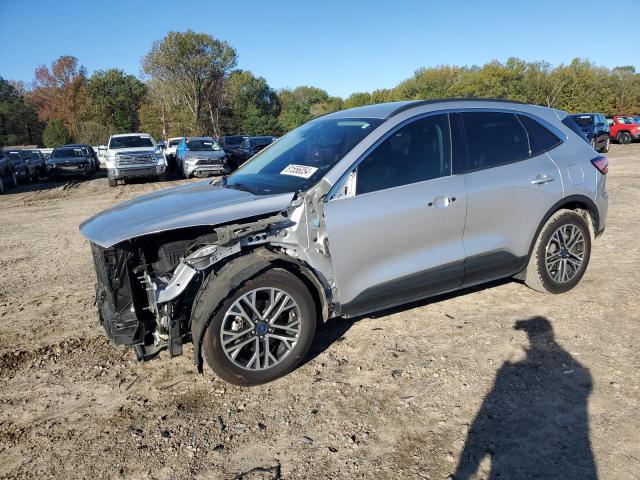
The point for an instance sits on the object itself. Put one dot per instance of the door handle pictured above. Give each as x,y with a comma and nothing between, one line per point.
442,202
542,179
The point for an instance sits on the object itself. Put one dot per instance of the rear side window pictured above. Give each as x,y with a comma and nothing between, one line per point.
570,122
494,138
541,139
414,153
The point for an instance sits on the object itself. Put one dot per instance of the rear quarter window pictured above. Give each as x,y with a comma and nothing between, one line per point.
541,139
570,122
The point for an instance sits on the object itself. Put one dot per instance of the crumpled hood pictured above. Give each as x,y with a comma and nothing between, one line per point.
195,204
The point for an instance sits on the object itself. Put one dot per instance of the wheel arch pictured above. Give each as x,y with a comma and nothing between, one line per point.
577,203
220,284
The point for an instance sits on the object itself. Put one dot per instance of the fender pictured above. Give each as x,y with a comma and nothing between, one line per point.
223,282
570,200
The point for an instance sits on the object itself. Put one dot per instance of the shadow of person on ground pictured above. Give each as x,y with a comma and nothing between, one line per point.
534,422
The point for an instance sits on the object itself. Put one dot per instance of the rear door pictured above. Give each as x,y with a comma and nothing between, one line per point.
398,235
511,184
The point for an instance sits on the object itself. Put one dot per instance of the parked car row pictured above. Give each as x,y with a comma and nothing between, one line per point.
205,156
600,131
30,165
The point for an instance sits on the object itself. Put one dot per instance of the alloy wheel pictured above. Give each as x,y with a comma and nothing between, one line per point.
260,328
564,253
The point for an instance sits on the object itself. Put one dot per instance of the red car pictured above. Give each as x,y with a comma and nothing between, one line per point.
623,129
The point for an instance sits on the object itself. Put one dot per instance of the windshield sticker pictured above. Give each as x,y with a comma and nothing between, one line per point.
303,171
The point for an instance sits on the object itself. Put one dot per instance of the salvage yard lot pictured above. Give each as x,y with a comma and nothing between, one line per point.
387,396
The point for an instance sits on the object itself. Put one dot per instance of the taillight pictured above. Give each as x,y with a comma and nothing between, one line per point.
601,163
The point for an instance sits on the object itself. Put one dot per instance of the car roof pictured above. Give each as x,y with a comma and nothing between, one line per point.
388,110
199,138
131,135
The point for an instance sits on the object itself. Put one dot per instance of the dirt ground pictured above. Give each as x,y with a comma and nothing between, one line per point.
456,385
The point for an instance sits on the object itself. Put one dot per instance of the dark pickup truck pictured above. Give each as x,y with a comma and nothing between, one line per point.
595,128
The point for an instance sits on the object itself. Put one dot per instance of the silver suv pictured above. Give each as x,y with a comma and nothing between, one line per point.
353,212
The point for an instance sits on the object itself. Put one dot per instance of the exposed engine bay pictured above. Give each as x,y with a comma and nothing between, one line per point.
148,286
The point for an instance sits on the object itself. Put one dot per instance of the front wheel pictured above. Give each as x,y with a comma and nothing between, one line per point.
624,138
605,149
2,187
112,182
262,331
561,253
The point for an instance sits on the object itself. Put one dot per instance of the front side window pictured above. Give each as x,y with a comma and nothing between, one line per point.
494,138
302,157
541,139
414,153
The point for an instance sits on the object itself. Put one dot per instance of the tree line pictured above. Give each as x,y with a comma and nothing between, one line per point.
192,87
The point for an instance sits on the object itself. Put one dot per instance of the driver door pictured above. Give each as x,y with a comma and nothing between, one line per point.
398,236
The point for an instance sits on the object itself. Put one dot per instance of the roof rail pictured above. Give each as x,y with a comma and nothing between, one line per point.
419,103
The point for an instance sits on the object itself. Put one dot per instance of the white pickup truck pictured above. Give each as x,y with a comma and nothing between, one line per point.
134,155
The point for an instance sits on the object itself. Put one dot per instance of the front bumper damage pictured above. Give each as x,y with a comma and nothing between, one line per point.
138,308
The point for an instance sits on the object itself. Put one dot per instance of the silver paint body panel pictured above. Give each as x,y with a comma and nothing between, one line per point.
195,204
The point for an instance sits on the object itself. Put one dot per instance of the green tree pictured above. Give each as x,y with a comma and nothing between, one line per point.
304,103
192,68
19,122
56,134
115,99
254,105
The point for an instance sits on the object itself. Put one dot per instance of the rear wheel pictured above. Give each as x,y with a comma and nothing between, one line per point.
624,138
561,253
262,331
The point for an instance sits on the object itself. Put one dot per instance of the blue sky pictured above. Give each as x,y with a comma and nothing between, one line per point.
340,46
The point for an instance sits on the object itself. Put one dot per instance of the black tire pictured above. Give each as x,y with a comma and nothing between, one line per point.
228,371
2,186
593,143
624,138
605,149
538,276
112,182
15,180
162,177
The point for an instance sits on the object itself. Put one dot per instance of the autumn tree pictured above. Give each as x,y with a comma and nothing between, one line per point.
59,92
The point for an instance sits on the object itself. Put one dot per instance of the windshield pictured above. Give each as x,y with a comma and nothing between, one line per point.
583,120
257,141
202,144
175,143
130,142
14,155
302,157
66,152
233,140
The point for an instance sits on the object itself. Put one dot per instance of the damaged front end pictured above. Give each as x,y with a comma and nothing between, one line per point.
147,289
